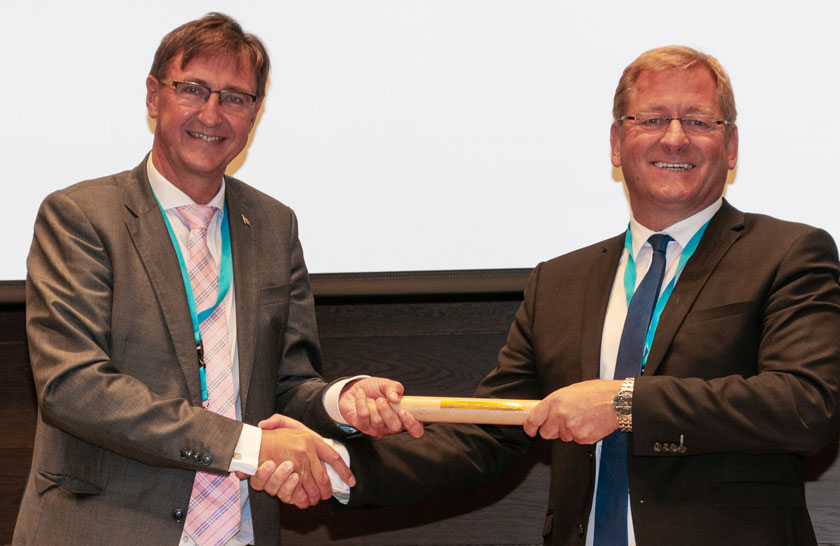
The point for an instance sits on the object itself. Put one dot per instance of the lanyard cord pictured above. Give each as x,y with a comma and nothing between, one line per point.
225,281
630,282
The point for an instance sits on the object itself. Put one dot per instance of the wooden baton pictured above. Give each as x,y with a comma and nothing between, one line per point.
482,411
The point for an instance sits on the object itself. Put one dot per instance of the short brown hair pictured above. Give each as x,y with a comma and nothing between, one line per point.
682,58
215,34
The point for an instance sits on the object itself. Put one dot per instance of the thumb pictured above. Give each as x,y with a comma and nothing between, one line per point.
281,421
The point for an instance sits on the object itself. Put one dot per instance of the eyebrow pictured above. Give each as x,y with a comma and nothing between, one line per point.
205,84
691,110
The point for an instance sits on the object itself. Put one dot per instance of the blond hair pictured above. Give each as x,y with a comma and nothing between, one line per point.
681,58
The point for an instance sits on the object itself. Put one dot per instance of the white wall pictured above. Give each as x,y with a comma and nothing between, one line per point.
425,134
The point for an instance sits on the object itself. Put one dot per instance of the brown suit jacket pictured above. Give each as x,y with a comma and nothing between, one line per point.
744,373
115,366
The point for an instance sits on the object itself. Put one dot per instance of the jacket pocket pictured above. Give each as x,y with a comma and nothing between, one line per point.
729,310
44,481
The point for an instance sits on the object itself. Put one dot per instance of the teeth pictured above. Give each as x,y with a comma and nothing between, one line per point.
673,166
204,137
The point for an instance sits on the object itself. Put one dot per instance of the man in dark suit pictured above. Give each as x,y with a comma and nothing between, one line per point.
126,348
737,370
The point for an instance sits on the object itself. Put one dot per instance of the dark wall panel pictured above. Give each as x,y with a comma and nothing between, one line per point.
438,339
435,349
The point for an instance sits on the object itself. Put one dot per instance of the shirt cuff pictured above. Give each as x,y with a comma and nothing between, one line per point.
246,454
331,396
340,490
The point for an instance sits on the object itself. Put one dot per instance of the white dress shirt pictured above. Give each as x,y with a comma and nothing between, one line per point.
681,233
248,447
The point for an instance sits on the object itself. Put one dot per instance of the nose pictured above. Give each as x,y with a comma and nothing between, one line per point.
211,113
674,137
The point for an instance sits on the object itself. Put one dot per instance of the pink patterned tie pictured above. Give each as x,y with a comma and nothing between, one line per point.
214,512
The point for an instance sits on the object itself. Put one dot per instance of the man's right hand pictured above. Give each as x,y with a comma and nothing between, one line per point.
303,481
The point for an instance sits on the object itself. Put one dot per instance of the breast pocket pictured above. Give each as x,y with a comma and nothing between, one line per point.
723,311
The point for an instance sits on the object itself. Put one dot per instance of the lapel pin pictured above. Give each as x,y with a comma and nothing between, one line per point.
245,221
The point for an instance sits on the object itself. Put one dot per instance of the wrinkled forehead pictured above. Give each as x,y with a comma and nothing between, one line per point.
675,91
221,65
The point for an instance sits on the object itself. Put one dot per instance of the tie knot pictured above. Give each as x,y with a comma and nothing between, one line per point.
659,241
197,216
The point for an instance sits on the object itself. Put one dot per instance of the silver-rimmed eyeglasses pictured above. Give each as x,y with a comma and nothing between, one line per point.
692,124
196,94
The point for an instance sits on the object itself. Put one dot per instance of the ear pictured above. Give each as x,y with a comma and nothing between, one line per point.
152,95
615,145
732,147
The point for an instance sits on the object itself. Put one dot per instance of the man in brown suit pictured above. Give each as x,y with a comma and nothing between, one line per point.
122,436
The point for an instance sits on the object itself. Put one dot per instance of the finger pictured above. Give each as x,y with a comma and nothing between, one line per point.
332,458
320,476
549,431
275,421
414,427
394,391
300,498
282,421
263,473
279,477
375,426
286,493
388,417
362,409
535,418
311,487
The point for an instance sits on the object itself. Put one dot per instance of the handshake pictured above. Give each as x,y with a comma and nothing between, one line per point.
294,459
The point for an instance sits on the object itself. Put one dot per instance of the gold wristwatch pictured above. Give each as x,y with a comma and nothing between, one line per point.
623,405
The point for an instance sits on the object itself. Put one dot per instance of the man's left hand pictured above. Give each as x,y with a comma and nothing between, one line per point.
365,404
581,413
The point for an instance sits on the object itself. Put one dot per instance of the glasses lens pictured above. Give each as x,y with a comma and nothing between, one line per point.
192,93
235,102
690,124
697,124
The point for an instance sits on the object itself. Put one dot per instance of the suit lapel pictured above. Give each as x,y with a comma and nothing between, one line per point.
151,239
599,283
244,253
724,229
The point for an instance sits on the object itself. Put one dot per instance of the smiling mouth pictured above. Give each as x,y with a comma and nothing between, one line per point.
205,138
673,166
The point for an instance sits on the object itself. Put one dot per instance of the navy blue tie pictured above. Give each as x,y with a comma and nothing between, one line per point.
611,498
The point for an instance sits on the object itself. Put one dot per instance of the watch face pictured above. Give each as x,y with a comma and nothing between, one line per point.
621,404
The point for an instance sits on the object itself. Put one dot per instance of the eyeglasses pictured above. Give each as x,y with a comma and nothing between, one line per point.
195,94
657,123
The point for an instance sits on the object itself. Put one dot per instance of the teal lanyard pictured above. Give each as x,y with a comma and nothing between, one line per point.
225,280
630,282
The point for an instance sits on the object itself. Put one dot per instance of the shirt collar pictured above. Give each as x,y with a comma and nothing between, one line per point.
681,232
170,196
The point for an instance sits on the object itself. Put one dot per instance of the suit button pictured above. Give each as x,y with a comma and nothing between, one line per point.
186,454
682,450
207,459
196,457
657,447
178,514
580,529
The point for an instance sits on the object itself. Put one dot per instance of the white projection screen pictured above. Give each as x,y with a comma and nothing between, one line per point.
425,134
